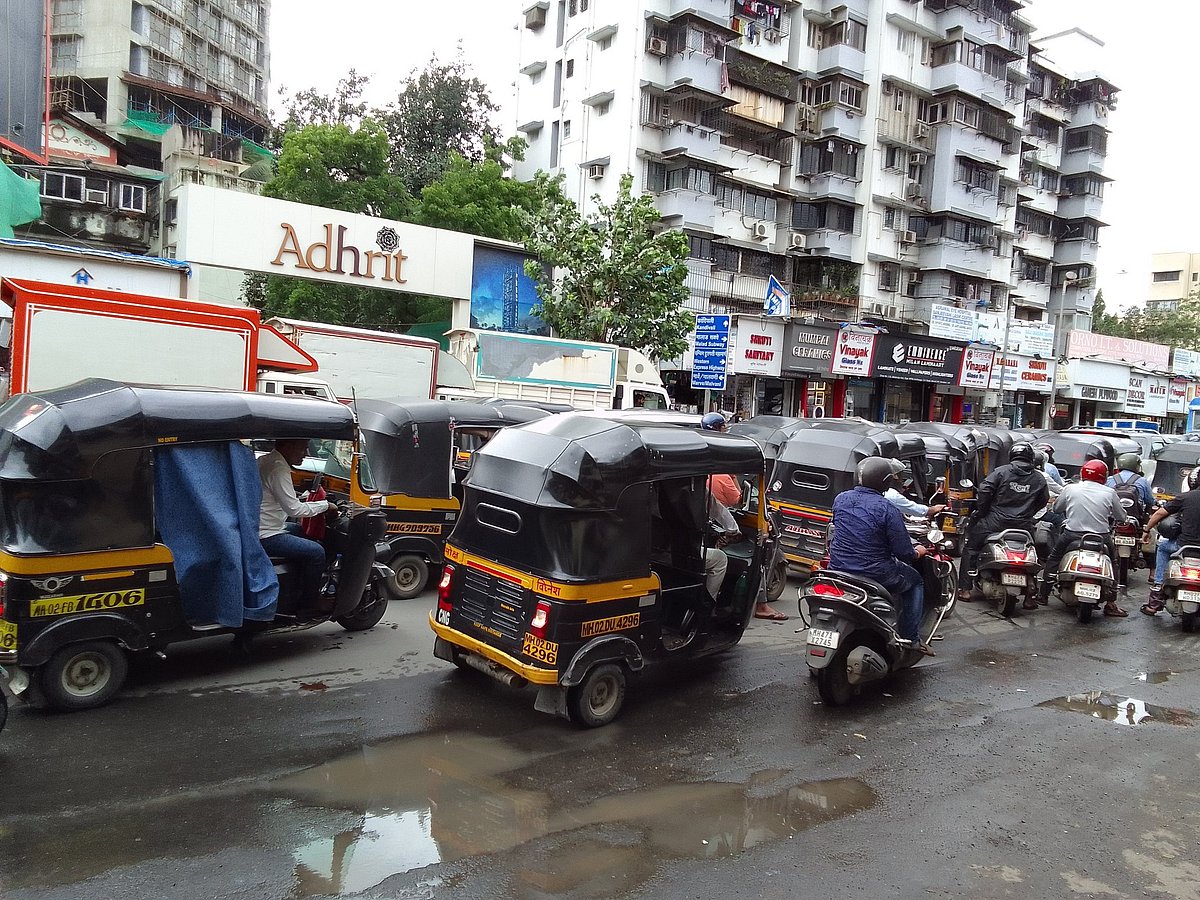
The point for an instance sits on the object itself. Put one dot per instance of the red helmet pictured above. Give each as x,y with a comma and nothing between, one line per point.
1094,470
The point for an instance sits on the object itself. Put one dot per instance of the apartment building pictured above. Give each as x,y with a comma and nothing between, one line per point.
880,159
1173,277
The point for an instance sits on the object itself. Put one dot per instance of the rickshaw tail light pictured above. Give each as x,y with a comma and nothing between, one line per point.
541,617
444,588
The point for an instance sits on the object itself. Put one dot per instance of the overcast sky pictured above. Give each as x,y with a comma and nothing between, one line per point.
1149,54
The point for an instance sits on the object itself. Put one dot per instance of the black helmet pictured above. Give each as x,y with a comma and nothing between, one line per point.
875,473
1045,448
1040,458
1130,462
713,421
1021,451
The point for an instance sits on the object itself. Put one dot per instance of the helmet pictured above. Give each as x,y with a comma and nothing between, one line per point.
1094,470
1193,479
1021,451
1047,449
713,421
876,473
1039,458
1130,462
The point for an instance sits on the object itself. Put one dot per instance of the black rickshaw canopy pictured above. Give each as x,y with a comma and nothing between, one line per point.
62,434
410,442
841,445
586,461
1071,451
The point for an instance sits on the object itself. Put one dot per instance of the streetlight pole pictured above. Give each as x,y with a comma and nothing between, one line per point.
1067,278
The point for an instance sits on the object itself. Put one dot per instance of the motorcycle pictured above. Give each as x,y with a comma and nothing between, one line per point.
1181,587
1086,577
1128,538
1008,569
852,620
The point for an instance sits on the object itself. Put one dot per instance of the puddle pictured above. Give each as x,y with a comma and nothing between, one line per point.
429,799
1155,677
1120,710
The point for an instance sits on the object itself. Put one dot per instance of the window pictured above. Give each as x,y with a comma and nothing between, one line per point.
1160,277
133,198
656,177
829,157
892,158
95,190
975,176
570,67
889,277
904,41
837,90
62,187
566,129
814,35
558,83
850,32
893,218
691,179
554,128
1087,139
700,247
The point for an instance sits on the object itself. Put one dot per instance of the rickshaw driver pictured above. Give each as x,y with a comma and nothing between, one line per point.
279,501
716,562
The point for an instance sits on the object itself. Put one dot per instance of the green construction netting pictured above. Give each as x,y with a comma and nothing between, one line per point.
155,128
20,200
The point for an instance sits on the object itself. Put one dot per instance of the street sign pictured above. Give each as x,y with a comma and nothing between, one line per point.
711,344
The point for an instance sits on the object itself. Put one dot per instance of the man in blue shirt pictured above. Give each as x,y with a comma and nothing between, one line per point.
869,539
1129,471
1050,468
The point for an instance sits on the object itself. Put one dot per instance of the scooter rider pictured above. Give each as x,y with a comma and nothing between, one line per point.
1129,471
869,538
1008,498
1051,468
1187,507
1089,506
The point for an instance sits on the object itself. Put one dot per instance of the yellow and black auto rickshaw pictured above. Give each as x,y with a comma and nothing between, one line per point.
955,457
580,555
418,453
129,520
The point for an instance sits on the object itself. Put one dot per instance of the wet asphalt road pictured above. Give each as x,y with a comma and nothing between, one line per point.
341,765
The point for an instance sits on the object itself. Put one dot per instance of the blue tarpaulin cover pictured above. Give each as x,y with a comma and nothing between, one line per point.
207,501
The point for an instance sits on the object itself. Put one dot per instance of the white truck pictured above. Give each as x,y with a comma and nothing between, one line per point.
553,370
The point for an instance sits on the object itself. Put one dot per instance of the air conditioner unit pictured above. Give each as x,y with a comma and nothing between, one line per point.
761,231
908,237
920,131
882,310
797,240
95,195
990,242
914,277
914,192
657,46
596,171
918,159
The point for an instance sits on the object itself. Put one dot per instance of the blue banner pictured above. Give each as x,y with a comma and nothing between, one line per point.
711,343
778,301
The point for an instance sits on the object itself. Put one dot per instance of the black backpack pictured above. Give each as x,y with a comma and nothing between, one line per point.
1128,491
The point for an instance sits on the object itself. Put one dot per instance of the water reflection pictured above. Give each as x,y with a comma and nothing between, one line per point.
1119,710
429,799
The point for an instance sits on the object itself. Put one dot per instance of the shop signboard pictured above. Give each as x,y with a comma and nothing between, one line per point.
1023,373
955,324
1032,338
1147,394
853,353
1185,362
711,348
976,371
1177,397
808,349
1088,345
916,357
757,346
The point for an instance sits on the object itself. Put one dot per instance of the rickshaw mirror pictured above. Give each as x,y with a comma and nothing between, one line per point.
966,484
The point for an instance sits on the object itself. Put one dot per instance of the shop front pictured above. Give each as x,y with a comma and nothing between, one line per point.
1177,405
808,367
1146,397
755,386
1026,387
1089,389
853,359
923,379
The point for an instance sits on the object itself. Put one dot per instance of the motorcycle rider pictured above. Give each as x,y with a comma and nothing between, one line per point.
1089,506
1187,507
1051,469
868,538
1008,498
904,503
1129,471
1041,462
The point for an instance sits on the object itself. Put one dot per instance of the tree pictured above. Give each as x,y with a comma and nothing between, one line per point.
440,111
344,106
1104,322
616,280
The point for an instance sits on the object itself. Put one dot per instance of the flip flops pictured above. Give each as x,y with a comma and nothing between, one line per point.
1115,612
772,616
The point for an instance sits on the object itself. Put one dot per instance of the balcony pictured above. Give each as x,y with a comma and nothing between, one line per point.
212,179
842,121
956,76
714,11
1080,206
683,207
1036,198
694,141
1034,244
1090,113
842,57
828,186
1030,293
692,67
956,196
824,242
955,257
1079,162
1043,107
1076,253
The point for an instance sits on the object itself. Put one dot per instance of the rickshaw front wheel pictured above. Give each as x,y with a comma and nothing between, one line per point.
83,676
597,700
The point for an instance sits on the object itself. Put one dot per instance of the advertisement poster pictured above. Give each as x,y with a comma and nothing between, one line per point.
976,369
1088,345
917,358
502,295
757,347
853,352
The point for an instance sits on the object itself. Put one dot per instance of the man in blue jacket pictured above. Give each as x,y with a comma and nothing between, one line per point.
869,539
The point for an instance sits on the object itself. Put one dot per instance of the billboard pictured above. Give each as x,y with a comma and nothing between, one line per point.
24,76
502,295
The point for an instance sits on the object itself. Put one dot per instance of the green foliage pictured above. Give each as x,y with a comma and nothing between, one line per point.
344,106
1176,328
616,280
1104,322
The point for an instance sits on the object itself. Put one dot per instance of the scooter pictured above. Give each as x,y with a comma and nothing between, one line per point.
1086,577
852,638
1008,569
1127,537
1181,587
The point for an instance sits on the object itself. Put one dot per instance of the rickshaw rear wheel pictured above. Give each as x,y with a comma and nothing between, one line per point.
777,582
369,612
83,676
411,576
597,700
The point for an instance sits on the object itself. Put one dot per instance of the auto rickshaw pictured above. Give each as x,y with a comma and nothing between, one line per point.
1174,463
956,458
818,463
418,452
1071,451
579,558
129,522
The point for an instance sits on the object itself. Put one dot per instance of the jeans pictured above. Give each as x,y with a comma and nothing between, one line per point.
307,554
910,594
1163,558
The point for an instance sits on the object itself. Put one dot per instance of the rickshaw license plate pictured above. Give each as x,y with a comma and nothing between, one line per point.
1086,590
823,638
1188,596
8,635
1124,540
542,650
1014,578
